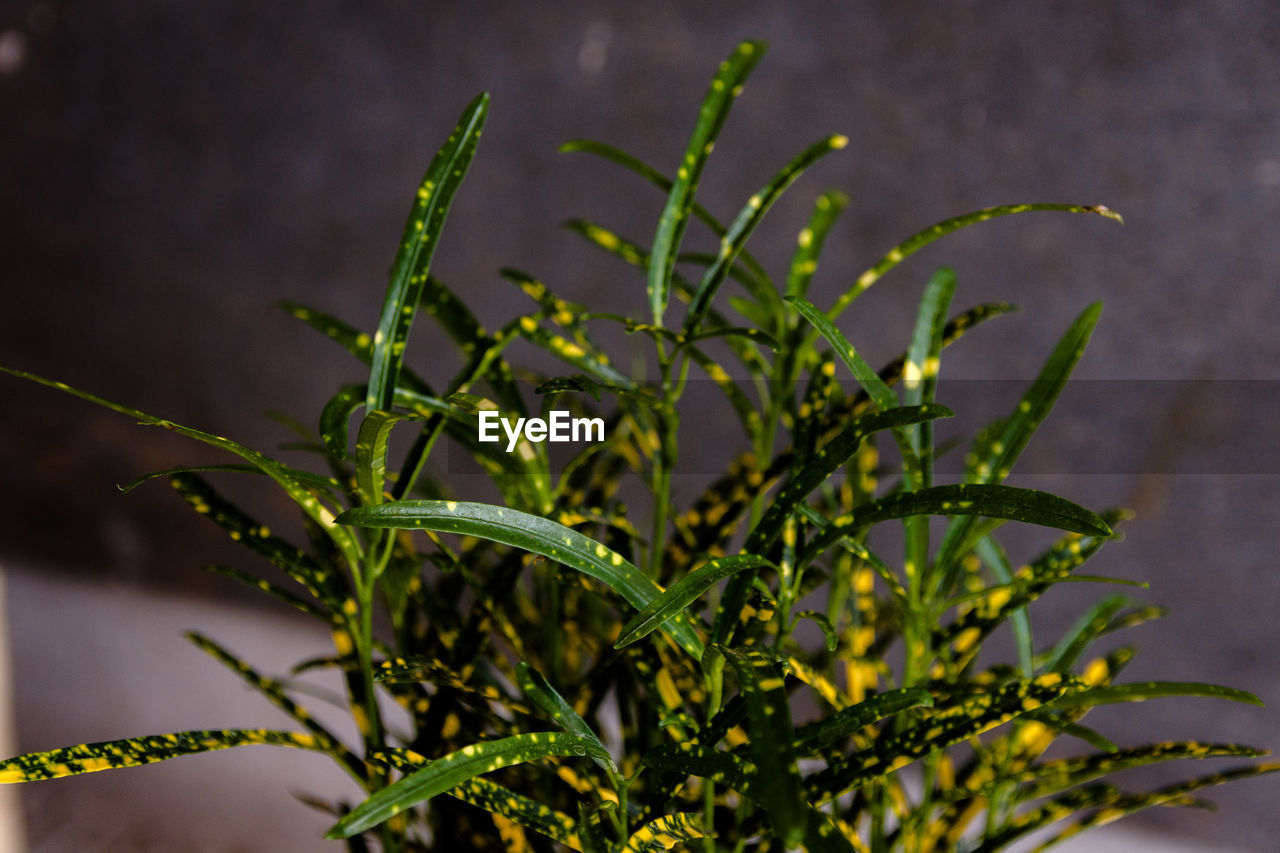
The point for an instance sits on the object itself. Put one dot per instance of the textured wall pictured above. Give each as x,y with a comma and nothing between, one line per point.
170,169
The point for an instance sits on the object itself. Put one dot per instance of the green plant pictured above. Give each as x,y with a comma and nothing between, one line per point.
908,740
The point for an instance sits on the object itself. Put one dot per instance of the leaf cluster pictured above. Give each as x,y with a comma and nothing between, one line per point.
568,678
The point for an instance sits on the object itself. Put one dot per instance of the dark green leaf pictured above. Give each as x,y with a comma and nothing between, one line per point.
417,245
530,533
676,212
542,694
454,769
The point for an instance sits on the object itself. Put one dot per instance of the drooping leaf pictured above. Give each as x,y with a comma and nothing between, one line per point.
495,799
816,737
530,533
1144,690
313,506
542,694
454,769
919,240
688,589
991,501
321,582
275,693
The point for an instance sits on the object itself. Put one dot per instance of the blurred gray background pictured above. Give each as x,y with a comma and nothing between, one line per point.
169,170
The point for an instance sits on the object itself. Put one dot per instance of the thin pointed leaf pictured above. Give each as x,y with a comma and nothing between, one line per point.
685,591
495,799
614,155
1085,630
530,533
274,692
992,461
323,585
726,86
1142,691
745,224
417,245
270,589
454,769
542,694
992,501
312,506
883,396
809,242
990,552
769,719
132,752
818,736
919,240
981,713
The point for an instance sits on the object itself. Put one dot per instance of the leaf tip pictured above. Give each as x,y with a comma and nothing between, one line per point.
1103,210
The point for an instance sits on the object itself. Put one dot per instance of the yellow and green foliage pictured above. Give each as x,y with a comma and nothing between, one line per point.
575,676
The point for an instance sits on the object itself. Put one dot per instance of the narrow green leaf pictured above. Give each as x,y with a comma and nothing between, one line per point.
891,751
809,242
530,533
754,270
769,719
417,245
132,752
1111,804
992,461
746,222
371,454
1144,690
323,584
818,736
271,589
879,391
1054,776
1085,630
726,86
990,552
991,501
918,241
311,505
493,798
542,694
685,591
454,769
274,692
